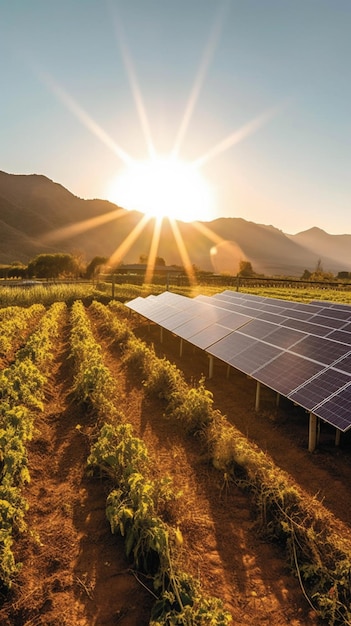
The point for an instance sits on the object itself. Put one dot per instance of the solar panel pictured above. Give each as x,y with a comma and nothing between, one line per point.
338,306
312,308
336,410
217,314
257,328
193,326
249,310
302,351
229,306
226,348
209,336
340,314
272,317
285,337
157,313
307,327
136,304
273,308
178,318
287,372
347,327
320,349
340,335
297,314
344,364
234,320
327,321
254,357
319,388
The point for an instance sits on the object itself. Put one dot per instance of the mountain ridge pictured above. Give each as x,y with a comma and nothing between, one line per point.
33,208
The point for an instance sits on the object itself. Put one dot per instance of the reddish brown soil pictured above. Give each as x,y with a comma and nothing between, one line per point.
75,572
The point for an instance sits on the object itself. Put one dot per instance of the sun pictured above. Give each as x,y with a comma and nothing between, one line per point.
164,187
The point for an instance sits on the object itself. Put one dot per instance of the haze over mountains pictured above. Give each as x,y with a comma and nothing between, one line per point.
35,214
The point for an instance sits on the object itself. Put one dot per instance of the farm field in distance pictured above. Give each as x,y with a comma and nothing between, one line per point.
74,571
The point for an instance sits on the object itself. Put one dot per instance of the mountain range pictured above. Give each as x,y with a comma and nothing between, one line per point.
38,215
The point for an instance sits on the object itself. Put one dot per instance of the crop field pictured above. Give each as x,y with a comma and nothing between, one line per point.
135,491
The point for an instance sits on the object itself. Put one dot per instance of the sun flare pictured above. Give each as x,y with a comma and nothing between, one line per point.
164,187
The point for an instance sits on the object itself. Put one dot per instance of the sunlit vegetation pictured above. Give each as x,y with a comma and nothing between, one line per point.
93,385
136,501
21,396
46,294
13,322
302,294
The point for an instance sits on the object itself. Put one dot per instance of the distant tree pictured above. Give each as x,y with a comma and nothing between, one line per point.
79,262
94,266
318,274
17,270
53,266
245,269
344,275
159,260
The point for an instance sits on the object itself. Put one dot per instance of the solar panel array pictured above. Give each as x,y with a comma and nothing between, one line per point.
302,351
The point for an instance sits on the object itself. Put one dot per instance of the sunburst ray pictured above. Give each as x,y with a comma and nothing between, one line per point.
183,252
153,250
118,254
237,136
134,86
81,227
199,79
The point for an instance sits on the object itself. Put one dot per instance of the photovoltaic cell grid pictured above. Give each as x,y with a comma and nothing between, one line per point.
302,351
319,388
287,372
251,358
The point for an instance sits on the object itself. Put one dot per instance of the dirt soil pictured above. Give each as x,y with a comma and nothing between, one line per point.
74,571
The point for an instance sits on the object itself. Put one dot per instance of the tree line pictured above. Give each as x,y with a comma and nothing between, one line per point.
59,265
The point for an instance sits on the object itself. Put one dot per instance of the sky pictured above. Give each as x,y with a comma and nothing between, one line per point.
254,94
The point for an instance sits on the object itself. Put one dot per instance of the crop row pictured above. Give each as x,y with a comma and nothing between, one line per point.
13,322
21,394
136,501
316,553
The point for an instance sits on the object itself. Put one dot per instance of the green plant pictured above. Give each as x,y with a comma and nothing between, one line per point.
193,407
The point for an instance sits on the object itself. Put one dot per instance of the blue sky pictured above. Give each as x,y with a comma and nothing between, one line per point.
86,82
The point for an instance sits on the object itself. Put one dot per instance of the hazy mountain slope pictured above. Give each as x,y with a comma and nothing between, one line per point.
336,247
38,215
